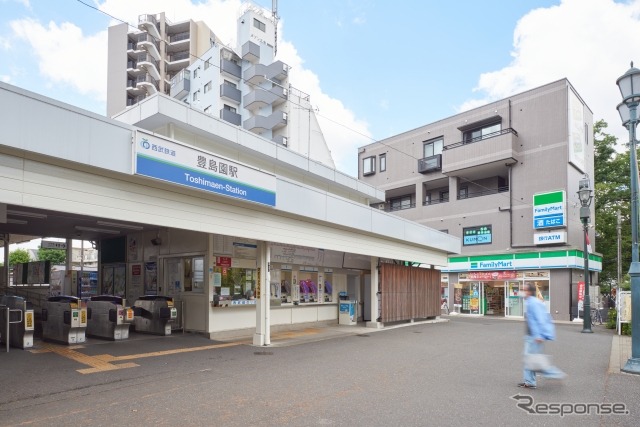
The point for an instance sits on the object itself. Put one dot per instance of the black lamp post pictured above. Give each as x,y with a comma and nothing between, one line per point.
629,85
584,193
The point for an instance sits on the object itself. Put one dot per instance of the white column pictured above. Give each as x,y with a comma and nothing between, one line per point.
262,335
373,297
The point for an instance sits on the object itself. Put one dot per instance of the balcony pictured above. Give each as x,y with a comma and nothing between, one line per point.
487,192
230,68
180,84
280,140
149,23
430,164
251,52
147,62
258,98
495,148
390,207
230,93
281,94
231,117
149,44
260,124
148,83
180,37
260,72
134,100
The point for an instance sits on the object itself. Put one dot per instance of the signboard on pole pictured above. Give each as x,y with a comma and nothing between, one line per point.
50,244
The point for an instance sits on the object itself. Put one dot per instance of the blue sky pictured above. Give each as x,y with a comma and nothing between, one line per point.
373,68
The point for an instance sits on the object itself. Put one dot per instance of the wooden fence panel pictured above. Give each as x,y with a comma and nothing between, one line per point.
408,293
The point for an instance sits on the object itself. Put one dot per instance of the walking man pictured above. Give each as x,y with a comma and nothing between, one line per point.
540,328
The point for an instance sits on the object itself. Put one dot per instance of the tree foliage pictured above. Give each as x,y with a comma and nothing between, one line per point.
56,256
18,256
612,195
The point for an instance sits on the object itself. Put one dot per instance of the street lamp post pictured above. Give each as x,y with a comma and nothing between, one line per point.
584,193
629,85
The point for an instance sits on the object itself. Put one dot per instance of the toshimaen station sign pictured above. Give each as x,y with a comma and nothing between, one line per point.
180,164
549,210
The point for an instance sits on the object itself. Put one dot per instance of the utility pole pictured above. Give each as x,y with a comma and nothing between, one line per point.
619,229
274,13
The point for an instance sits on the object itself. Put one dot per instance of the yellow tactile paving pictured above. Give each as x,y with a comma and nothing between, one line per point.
105,362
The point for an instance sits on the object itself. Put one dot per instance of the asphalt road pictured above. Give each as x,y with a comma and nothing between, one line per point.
458,373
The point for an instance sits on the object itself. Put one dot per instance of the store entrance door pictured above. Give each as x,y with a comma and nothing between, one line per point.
514,299
494,298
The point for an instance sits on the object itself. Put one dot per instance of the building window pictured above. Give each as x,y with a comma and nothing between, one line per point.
463,192
259,25
207,63
444,196
196,95
228,83
207,87
229,108
482,132
195,72
369,166
427,199
400,203
433,147
383,162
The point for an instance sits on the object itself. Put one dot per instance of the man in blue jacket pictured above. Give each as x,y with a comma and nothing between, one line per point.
539,329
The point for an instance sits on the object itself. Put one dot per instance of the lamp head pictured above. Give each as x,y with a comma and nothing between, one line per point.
629,85
584,191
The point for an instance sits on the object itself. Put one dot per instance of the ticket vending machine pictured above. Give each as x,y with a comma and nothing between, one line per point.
347,314
154,314
21,321
107,317
64,319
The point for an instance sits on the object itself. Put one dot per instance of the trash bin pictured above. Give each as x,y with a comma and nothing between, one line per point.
347,314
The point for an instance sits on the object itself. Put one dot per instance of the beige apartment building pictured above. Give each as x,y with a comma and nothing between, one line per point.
504,179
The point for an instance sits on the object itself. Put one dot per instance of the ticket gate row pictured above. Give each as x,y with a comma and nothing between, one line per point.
16,322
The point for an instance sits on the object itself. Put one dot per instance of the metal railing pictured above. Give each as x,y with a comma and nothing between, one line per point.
435,201
480,138
179,37
473,194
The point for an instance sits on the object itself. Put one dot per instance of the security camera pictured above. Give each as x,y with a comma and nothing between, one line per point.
156,242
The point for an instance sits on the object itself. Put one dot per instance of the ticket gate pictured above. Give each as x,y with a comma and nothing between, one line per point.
107,317
154,314
64,319
20,322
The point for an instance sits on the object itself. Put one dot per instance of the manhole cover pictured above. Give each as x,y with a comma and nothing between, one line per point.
263,353
362,335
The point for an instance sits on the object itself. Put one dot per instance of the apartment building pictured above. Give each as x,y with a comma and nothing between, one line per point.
242,84
487,176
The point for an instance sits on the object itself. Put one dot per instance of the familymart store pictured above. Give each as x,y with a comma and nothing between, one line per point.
493,285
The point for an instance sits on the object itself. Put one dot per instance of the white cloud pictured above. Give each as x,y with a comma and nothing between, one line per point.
359,20
65,55
5,79
590,42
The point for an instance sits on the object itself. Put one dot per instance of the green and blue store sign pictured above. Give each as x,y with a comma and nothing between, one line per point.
524,261
549,210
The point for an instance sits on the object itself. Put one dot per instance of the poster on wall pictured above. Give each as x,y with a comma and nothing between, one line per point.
133,247
119,280
107,280
150,278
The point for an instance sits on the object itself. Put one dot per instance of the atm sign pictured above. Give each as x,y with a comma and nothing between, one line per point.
83,316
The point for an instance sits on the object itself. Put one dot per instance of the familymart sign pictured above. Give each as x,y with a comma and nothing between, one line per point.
524,261
549,210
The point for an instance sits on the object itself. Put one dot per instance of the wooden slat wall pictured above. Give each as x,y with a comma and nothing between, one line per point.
408,293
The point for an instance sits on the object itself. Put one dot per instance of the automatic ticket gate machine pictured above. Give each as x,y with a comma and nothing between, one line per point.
20,323
64,319
154,314
107,317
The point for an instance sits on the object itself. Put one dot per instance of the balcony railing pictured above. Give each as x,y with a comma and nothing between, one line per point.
430,164
473,194
389,208
480,138
179,37
178,56
435,201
